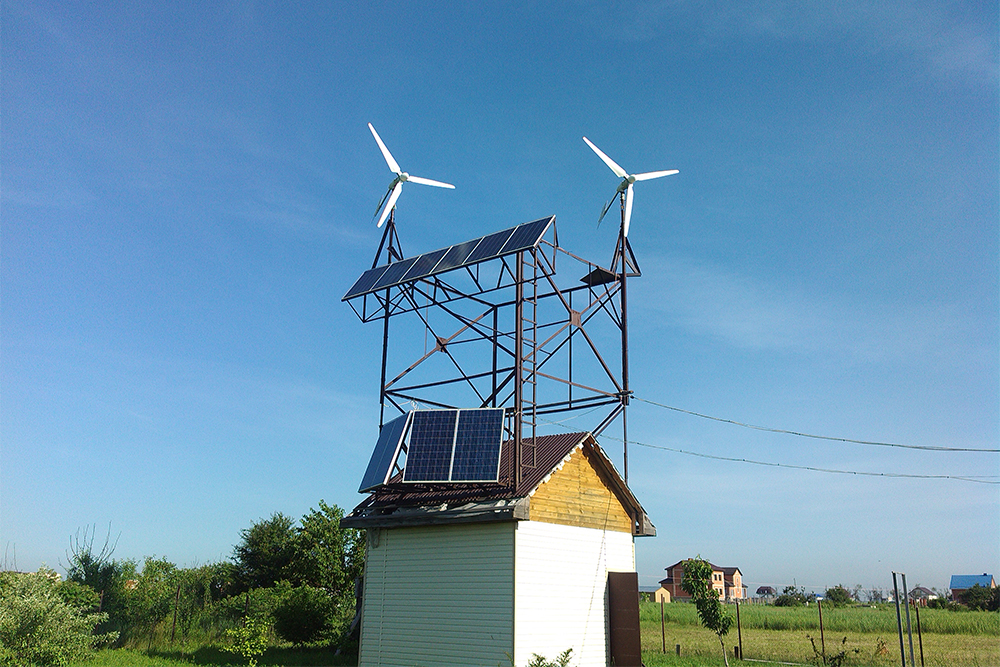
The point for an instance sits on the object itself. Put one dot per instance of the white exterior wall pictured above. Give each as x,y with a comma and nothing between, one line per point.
439,595
561,581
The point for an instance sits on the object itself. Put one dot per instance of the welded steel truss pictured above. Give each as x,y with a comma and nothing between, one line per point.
510,332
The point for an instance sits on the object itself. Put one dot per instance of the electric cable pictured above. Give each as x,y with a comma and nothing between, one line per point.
769,429
978,479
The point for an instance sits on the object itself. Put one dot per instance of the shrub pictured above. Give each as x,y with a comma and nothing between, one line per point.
839,595
37,626
249,640
304,615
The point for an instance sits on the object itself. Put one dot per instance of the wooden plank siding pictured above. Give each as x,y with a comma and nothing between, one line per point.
561,590
439,595
575,495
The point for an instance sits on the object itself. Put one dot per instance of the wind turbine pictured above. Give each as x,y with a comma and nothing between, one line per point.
625,186
392,194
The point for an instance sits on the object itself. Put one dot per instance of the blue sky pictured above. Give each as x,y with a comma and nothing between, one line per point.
186,191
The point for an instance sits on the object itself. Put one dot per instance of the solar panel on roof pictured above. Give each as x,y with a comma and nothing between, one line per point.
390,438
432,440
477,446
489,247
485,248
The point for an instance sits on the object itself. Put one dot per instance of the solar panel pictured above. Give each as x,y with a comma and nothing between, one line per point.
499,244
489,247
432,440
386,450
477,446
424,265
366,281
457,255
392,274
526,236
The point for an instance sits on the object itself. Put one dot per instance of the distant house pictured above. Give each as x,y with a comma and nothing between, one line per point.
963,582
922,595
727,581
767,592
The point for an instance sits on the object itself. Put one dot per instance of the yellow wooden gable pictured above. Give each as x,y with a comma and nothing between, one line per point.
575,494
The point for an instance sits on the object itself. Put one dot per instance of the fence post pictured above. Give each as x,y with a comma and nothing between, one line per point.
822,637
739,628
899,620
177,603
909,628
663,628
920,636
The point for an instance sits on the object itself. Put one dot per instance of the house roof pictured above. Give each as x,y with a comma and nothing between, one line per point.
728,572
963,581
397,503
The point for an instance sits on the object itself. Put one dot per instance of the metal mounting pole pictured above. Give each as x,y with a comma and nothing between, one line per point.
625,391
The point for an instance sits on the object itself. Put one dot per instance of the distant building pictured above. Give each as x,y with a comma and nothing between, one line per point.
767,592
963,582
727,581
922,595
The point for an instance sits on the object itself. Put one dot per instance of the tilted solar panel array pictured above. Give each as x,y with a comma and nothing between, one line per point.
442,446
390,439
454,446
472,252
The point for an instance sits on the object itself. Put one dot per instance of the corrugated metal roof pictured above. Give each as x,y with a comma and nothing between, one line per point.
397,499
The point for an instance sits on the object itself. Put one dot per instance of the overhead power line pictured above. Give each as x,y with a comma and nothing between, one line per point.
927,448
978,479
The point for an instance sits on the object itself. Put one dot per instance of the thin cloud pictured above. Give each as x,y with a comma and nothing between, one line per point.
949,43
749,313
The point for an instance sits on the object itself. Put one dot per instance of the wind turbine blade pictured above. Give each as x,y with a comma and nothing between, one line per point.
379,207
607,207
385,153
619,172
427,181
655,174
628,209
392,202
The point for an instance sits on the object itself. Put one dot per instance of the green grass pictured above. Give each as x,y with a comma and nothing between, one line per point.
969,639
951,639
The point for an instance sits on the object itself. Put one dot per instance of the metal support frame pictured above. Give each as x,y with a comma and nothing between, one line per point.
510,333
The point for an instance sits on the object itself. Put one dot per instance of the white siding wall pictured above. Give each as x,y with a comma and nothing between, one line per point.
561,578
439,595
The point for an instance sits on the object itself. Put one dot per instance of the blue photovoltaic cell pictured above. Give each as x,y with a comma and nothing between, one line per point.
489,247
477,446
384,456
424,266
457,255
365,282
526,236
393,273
432,440
471,252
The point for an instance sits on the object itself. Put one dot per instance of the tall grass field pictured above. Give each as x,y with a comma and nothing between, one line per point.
866,636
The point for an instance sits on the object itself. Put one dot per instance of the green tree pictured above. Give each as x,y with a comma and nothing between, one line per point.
838,595
697,582
327,556
790,597
981,598
304,615
37,626
149,601
265,553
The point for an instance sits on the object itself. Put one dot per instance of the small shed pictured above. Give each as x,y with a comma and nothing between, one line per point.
482,574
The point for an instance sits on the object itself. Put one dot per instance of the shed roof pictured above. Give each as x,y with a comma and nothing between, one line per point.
418,504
